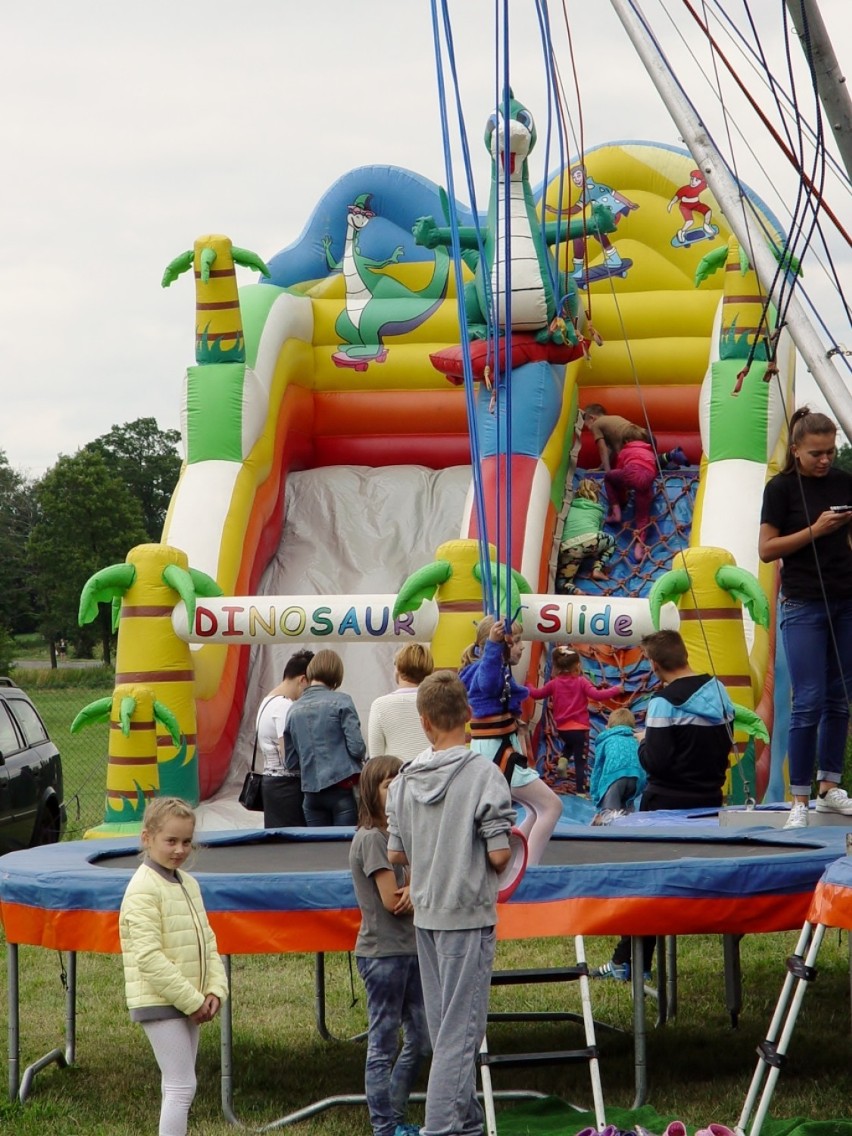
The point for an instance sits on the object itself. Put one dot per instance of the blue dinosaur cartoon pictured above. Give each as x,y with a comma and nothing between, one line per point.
377,305
543,298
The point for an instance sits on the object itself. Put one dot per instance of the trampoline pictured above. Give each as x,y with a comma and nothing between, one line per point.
270,892
831,906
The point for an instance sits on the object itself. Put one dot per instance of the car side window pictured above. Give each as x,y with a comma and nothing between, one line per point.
9,740
29,721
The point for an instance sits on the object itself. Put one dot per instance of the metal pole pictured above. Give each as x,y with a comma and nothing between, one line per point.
14,1022
833,91
737,211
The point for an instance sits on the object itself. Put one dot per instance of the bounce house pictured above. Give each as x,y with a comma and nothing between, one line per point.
357,467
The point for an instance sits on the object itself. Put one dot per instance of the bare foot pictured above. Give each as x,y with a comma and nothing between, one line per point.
598,574
639,551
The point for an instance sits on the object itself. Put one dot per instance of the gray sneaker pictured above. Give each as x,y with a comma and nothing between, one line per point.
798,817
834,801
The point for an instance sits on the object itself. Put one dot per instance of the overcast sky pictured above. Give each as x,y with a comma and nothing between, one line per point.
129,129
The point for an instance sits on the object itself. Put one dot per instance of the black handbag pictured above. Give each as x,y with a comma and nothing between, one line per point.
251,794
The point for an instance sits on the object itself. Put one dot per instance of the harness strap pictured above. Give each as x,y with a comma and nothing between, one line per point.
493,726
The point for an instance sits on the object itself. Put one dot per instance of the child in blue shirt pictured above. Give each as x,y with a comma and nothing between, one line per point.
617,775
495,704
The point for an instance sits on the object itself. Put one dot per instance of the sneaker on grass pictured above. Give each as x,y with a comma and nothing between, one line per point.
620,971
834,801
798,817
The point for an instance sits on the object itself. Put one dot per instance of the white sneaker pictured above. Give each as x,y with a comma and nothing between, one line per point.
835,801
798,817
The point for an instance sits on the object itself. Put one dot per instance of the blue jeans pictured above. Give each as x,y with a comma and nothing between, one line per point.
330,807
394,1001
818,645
619,795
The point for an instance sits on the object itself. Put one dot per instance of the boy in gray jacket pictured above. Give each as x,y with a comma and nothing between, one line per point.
449,816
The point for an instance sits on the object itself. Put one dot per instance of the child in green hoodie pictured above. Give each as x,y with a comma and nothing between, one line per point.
583,538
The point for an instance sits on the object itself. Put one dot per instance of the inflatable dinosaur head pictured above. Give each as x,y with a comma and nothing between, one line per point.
510,141
361,211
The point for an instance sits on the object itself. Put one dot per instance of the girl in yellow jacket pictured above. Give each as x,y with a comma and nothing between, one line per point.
174,977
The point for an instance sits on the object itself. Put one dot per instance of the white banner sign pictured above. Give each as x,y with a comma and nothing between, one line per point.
249,620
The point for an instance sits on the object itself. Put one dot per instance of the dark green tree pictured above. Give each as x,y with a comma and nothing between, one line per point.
146,459
16,519
87,517
844,457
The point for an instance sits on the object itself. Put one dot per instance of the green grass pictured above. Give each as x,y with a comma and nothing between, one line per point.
31,646
699,1069
84,755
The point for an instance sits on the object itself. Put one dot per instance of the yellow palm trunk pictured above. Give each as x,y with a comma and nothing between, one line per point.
218,323
149,653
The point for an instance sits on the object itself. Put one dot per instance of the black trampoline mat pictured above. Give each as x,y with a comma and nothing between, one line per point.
265,856
280,856
643,850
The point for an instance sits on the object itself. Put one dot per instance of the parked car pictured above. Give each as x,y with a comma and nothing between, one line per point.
31,794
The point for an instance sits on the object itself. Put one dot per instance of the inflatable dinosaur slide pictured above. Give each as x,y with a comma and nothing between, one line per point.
327,439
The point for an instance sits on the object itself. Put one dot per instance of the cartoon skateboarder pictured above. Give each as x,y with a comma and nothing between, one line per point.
592,191
688,198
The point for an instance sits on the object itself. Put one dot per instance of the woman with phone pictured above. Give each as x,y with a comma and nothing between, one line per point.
807,510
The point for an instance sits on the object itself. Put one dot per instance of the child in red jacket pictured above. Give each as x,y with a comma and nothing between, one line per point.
570,692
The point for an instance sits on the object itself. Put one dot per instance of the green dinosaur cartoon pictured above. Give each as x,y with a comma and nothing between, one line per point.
377,304
543,298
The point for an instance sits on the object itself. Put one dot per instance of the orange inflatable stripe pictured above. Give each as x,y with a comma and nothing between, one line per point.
273,932
95,931
643,916
394,412
831,905
669,407
237,932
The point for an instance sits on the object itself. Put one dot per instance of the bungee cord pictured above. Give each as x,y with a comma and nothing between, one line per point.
467,369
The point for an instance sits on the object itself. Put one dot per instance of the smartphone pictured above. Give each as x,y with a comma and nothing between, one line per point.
840,508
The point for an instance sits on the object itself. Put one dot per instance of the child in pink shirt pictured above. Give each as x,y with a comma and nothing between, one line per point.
569,692
636,468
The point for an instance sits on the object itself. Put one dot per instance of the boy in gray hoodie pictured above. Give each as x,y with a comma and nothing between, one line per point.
449,816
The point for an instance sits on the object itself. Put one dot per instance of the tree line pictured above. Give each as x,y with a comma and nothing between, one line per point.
87,511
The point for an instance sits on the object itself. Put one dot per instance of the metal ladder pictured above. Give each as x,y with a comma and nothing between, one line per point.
488,1061
801,971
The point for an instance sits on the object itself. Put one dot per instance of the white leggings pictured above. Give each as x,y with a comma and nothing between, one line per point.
175,1045
543,809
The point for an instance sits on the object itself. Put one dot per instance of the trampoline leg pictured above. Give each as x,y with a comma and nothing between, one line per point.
14,1023
772,1052
319,1004
226,1050
640,1040
733,977
671,983
60,1057
319,999
661,990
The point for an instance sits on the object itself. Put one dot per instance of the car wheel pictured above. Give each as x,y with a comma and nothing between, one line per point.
47,827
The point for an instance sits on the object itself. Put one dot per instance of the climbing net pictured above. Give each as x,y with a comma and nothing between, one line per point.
668,534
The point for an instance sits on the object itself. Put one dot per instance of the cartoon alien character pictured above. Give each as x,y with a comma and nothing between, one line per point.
595,192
